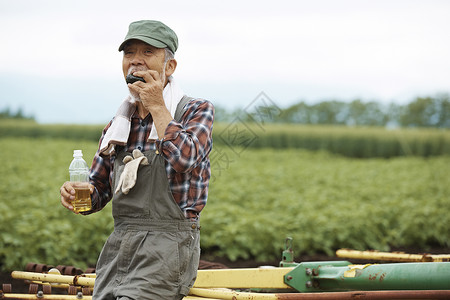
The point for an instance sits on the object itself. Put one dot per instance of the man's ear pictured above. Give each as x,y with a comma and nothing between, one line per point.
170,67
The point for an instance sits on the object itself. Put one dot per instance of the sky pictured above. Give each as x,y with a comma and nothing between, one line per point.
59,60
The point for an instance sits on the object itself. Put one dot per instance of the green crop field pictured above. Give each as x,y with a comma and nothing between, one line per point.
258,196
325,202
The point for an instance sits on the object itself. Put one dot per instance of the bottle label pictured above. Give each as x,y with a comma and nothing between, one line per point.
82,176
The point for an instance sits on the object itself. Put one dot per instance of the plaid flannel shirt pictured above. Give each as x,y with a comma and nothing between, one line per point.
185,148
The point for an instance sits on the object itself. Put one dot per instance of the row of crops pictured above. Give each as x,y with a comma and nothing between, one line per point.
358,142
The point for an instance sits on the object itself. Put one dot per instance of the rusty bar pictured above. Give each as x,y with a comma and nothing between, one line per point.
34,297
369,295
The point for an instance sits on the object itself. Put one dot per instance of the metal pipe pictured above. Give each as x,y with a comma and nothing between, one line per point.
35,296
224,294
369,295
392,256
72,280
402,276
314,277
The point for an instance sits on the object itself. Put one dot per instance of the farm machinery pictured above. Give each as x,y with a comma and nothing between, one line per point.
408,276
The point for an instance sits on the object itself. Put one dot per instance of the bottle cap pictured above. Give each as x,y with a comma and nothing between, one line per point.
77,153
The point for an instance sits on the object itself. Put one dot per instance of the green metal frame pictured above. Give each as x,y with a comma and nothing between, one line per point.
342,276
338,276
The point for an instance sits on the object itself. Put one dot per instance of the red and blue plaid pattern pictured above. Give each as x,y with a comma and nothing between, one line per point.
186,147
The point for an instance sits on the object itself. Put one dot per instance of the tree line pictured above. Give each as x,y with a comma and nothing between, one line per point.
6,113
421,112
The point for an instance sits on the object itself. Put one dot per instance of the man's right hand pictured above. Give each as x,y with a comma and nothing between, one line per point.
67,192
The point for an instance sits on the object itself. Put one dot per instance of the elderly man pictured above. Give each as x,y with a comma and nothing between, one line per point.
153,162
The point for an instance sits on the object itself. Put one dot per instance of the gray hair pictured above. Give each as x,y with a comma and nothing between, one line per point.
168,55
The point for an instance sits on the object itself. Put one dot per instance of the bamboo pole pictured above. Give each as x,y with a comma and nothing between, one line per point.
392,256
53,278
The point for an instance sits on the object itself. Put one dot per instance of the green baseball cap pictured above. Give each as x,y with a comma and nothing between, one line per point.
153,33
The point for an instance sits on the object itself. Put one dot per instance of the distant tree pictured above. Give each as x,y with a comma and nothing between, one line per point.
220,114
5,113
444,114
298,113
427,112
393,114
421,112
8,114
366,114
329,112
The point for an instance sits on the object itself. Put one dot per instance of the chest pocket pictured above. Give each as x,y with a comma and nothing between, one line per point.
136,203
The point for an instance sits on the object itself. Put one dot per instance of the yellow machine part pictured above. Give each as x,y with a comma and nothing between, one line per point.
264,278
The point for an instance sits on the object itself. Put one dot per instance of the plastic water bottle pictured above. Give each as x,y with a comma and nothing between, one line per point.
79,177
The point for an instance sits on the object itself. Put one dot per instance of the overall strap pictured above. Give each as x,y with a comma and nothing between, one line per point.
180,107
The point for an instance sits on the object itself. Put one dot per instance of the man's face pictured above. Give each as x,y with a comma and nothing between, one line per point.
140,56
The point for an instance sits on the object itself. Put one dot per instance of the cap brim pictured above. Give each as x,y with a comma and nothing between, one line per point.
145,39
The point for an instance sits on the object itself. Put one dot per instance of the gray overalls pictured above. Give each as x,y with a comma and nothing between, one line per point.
153,252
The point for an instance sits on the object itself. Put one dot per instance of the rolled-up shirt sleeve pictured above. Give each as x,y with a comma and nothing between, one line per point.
187,143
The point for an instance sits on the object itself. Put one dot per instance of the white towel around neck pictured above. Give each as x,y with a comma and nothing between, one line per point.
118,132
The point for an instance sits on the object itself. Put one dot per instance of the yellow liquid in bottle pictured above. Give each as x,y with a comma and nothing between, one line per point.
82,201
